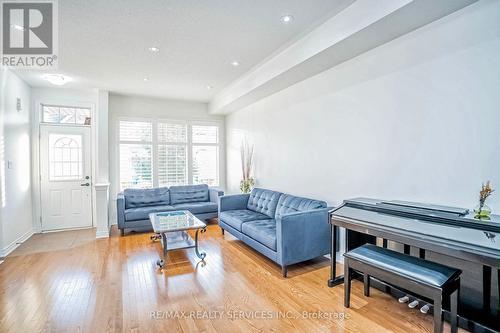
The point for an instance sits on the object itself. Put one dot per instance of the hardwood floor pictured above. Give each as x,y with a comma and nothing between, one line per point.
71,282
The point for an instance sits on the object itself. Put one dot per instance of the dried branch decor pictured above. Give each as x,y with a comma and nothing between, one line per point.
247,183
483,211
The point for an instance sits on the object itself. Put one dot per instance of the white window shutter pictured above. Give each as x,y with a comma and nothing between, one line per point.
136,169
167,153
205,154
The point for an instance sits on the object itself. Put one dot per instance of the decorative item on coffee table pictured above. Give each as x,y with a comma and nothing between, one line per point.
247,183
482,210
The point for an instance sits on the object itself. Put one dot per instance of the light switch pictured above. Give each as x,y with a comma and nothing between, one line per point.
18,105
9,165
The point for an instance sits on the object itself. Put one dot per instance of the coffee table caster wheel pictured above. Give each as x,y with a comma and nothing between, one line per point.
160,263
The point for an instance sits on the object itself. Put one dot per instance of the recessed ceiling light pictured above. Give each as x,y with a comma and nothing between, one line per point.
146,79
286,18
154,49
57,79
235,63
209,87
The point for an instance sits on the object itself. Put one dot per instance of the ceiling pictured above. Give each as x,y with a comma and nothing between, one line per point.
104,44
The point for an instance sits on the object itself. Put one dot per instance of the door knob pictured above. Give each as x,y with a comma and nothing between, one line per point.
86,184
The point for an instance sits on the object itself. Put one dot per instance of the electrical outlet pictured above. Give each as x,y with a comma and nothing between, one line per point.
18,105
9,165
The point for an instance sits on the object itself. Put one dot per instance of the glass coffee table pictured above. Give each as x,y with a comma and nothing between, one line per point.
171,229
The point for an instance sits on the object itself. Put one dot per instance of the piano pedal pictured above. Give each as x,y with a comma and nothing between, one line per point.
413,304
404,299
425,309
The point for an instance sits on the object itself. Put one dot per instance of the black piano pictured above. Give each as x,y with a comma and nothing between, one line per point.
448,235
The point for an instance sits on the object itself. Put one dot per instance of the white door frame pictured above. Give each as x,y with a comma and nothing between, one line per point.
36,118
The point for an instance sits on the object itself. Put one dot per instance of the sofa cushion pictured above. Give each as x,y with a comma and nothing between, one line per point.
142,213
135,197
263,231
235,218
197,207
189,193
263,201
290,204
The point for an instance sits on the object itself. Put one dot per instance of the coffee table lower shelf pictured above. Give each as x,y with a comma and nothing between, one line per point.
177,240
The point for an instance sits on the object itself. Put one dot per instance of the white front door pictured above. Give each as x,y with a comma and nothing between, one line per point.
65,171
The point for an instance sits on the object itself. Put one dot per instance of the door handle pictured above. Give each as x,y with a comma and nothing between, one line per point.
86,184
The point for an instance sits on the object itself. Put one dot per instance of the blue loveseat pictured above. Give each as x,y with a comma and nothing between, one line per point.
285,228
134,205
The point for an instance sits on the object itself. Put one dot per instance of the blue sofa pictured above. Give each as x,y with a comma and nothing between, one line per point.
134,205
285,228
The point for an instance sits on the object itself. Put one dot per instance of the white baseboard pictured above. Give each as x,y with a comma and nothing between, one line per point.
12,246
338,257
66,229
102,233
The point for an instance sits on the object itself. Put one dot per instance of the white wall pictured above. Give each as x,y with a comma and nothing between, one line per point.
121,106
139,106
101,185
15,180
415,119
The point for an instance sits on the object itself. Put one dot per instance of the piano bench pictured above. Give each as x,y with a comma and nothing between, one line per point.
414,275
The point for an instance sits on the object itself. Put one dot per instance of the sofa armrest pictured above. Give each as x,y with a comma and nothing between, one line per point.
120,210
302,236
232,202
214,194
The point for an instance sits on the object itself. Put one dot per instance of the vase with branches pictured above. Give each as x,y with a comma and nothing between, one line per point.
482,210
247,183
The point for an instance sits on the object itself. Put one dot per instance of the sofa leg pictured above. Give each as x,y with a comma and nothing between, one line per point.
284,270
122,232
222,230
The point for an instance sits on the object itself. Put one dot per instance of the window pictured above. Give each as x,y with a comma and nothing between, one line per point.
205,155
136,152
65,157
172,154
205,134
65,115
167,153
